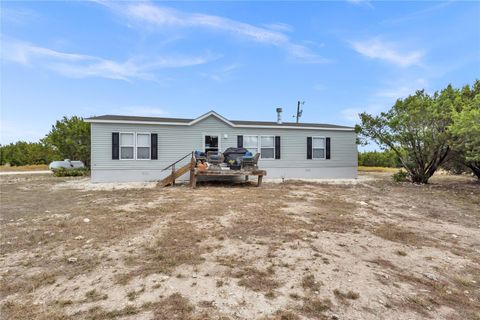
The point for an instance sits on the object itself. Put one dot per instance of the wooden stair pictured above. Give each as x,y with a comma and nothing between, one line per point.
170,180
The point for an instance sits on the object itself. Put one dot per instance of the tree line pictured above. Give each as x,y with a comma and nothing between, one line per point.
426,131
386,158
69,138
420,133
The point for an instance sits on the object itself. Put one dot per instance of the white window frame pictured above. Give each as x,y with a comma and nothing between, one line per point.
212,134
120,145
260,147
149,145
324,148
251,135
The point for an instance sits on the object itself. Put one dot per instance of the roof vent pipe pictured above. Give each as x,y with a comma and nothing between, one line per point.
279,115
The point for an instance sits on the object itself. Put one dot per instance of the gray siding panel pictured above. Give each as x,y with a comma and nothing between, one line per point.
176,141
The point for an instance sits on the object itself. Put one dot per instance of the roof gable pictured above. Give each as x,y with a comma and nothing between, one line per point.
211,113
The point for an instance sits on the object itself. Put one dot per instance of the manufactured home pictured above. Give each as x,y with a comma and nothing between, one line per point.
127,148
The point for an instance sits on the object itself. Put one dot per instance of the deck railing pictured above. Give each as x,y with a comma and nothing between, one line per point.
173,164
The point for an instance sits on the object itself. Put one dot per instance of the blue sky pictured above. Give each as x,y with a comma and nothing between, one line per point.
242,59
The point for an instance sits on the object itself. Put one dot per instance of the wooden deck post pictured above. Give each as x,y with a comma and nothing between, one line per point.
192,169
173,176
194,180
260,177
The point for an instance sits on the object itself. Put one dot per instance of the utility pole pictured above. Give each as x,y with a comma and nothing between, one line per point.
299,111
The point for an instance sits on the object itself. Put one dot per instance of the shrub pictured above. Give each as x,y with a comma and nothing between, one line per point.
400,176
78,172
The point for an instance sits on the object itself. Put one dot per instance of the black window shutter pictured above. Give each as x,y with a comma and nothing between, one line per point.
154,146
115,145
277,147
309,147
327,147
239,141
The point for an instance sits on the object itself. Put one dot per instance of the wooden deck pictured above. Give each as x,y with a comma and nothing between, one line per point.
226,173
195,173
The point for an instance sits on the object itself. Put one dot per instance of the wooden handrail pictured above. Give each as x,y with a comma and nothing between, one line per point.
173,164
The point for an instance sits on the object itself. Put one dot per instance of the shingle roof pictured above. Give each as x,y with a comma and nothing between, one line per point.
135,118
108,118
288,124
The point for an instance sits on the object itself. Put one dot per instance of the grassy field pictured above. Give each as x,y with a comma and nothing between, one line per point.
33,167
369,249
376,169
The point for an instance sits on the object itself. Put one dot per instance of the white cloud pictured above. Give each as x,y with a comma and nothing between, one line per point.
376,48
222,73
351,114
303,54
419,13
148,14
83,66
361,2
385,97
17,15
283,27
402,89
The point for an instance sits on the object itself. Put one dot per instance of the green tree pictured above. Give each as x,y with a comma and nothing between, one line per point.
71,138
25,153
415,128
465,128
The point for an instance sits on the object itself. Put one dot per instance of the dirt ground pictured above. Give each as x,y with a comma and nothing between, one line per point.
296,250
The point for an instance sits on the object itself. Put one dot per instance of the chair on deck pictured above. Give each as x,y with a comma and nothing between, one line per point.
250,163
214,157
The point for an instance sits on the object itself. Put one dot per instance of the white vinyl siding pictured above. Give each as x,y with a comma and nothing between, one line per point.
318,147
126,146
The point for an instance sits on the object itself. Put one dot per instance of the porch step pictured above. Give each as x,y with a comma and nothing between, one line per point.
175,175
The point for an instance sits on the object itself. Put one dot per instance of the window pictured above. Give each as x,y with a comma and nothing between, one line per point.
263,144
318,148
126,145
251,143
267,147
143,146
211,143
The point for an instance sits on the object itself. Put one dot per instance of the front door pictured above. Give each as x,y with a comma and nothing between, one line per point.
211,143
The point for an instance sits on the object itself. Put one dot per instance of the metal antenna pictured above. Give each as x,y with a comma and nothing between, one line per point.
299,111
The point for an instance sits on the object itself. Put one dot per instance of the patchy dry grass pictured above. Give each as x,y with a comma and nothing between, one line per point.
256,280
174,307
33,167
180,244
282,251
377,169
309,283
25,310
398,233
352,295
98,313
93,295
314,307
